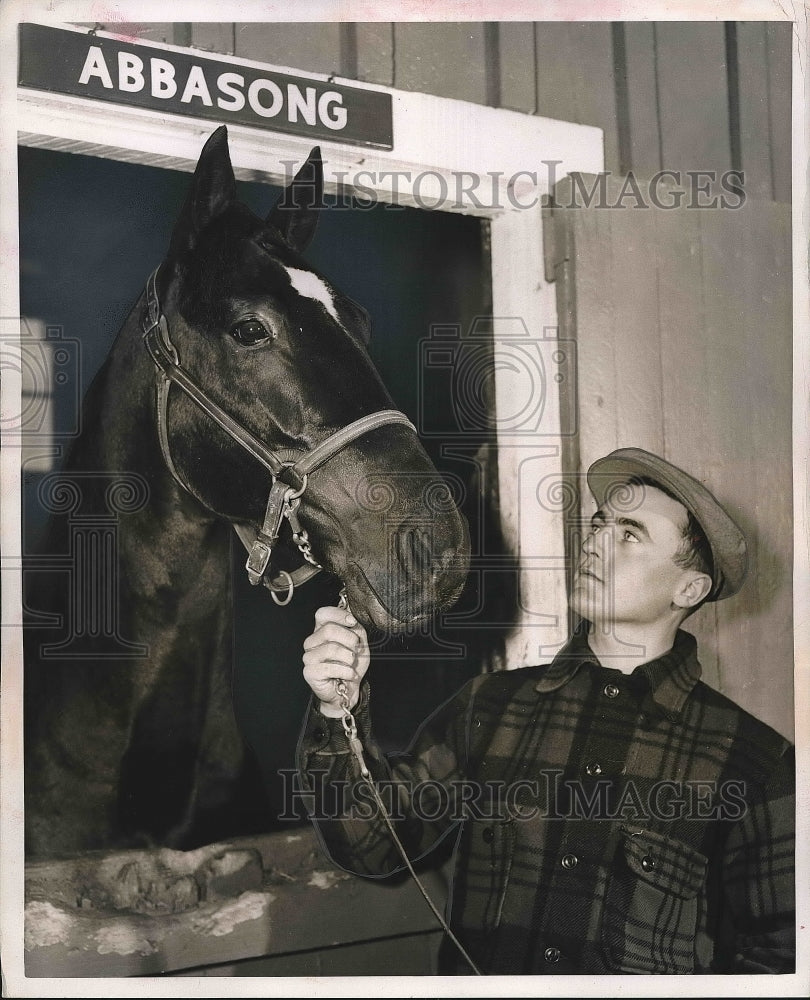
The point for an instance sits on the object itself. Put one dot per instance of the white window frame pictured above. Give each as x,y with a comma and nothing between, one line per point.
434,137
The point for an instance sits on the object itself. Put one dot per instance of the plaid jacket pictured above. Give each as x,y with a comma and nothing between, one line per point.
604,822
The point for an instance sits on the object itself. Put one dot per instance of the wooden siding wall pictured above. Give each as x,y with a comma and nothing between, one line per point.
683,325
669,95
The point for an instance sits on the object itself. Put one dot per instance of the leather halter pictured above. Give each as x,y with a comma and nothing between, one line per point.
289,477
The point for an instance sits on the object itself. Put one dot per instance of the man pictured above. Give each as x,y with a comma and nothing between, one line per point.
613,813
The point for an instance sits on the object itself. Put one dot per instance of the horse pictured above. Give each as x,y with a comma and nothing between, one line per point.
238,394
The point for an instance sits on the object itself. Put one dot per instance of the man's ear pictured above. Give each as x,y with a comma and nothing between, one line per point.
692,590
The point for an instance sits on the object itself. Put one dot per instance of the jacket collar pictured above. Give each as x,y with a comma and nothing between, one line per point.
574,654
669,679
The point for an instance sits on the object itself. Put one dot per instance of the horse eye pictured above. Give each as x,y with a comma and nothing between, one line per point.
250,332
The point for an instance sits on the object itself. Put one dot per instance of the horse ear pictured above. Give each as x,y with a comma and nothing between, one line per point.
295,214
213,188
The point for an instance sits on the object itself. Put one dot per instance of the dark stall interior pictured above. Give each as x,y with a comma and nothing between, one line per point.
92,229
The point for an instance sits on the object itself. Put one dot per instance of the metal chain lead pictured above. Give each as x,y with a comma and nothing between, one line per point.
299,533
350,728
348,720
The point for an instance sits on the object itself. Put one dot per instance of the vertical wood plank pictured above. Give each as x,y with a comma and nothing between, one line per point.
517,76
560,269
636,346
693,95
570,59
375,52
687,381
348,49
442,58
588,311
779,41
303,45
213,36
755,139
746,265
642,98
595,318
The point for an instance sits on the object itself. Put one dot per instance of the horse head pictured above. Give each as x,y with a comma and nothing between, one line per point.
275,363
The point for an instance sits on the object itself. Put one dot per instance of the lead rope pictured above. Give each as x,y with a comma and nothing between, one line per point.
350,728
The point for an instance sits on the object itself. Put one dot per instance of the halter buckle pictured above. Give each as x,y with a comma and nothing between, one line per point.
257,561
262,548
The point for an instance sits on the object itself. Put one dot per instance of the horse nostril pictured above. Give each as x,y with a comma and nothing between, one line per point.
414,549
421,560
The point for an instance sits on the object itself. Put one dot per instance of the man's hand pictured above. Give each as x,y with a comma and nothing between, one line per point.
336,650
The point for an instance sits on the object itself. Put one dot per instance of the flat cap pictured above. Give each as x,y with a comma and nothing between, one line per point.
727,542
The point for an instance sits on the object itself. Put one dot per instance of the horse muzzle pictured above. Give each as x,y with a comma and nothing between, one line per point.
423,573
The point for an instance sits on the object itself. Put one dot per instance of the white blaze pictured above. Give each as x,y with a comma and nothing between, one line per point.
309,284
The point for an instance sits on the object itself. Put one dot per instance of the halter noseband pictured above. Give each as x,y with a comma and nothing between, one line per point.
285,496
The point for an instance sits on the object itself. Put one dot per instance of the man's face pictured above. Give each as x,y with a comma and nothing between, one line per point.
627,573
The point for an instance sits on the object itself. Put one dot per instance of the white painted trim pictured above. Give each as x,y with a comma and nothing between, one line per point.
529,447
438,140
435,139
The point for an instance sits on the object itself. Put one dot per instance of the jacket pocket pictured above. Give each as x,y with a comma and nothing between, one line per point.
650,914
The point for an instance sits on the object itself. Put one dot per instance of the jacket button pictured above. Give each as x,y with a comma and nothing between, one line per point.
488,834
552,955
593,769
648,863
319,735
611,691
569,861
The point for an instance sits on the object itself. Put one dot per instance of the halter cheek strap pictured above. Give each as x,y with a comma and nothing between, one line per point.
285,497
